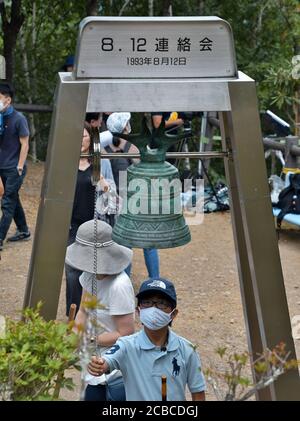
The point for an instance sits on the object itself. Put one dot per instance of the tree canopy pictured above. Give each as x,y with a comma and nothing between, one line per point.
37,36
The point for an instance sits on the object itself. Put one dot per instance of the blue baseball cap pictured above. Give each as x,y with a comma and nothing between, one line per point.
69,61
161,285
6,88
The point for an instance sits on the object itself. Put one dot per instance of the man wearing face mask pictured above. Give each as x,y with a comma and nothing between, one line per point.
14,145
155,351
119,123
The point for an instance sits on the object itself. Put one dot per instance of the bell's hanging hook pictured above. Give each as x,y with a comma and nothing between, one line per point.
153,144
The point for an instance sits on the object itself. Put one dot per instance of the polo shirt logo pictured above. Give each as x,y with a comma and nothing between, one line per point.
112,350
176,367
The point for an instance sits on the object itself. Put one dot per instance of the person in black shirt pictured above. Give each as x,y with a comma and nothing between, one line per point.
172,122
83,211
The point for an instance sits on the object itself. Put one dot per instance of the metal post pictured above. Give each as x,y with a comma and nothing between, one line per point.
261,278
291,160
202,136
255,343
209,134
54,215
203,86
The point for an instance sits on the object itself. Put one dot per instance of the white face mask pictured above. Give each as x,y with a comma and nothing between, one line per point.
154,318
2,106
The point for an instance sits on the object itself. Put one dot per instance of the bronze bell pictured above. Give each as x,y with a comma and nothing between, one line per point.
151,215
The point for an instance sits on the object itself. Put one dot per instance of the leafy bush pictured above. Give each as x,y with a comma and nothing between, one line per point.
233,383
34,355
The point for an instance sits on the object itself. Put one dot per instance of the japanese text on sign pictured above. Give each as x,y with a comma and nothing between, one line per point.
184,44
145,48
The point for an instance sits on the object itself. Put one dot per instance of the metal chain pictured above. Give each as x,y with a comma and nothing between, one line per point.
94,285
89,339
95,139
94,279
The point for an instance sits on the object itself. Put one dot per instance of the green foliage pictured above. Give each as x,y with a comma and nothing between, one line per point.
34,355
231,379
47,37
266,35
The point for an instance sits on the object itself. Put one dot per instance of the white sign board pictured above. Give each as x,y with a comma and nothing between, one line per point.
154,48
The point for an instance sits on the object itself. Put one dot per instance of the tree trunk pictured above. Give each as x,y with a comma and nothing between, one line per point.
296,107
201,7
167,7
126,2
29,85
2,67
150,7
297,94
92,7
11,30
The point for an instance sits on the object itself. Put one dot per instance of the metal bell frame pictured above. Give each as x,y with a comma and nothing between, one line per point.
262,287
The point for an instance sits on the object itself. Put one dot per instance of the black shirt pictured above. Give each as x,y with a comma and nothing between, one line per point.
83,205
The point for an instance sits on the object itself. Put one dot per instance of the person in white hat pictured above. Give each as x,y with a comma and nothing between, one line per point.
120,123
83,207
96,250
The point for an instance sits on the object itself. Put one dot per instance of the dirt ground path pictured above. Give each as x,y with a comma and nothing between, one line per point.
204,271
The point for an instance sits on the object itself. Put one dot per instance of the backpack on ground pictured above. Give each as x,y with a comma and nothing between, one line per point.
289,199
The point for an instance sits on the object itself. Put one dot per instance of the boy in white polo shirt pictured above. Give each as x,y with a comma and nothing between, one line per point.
155,351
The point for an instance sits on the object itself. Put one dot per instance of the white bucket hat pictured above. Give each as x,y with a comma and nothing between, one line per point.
112,258
116,122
